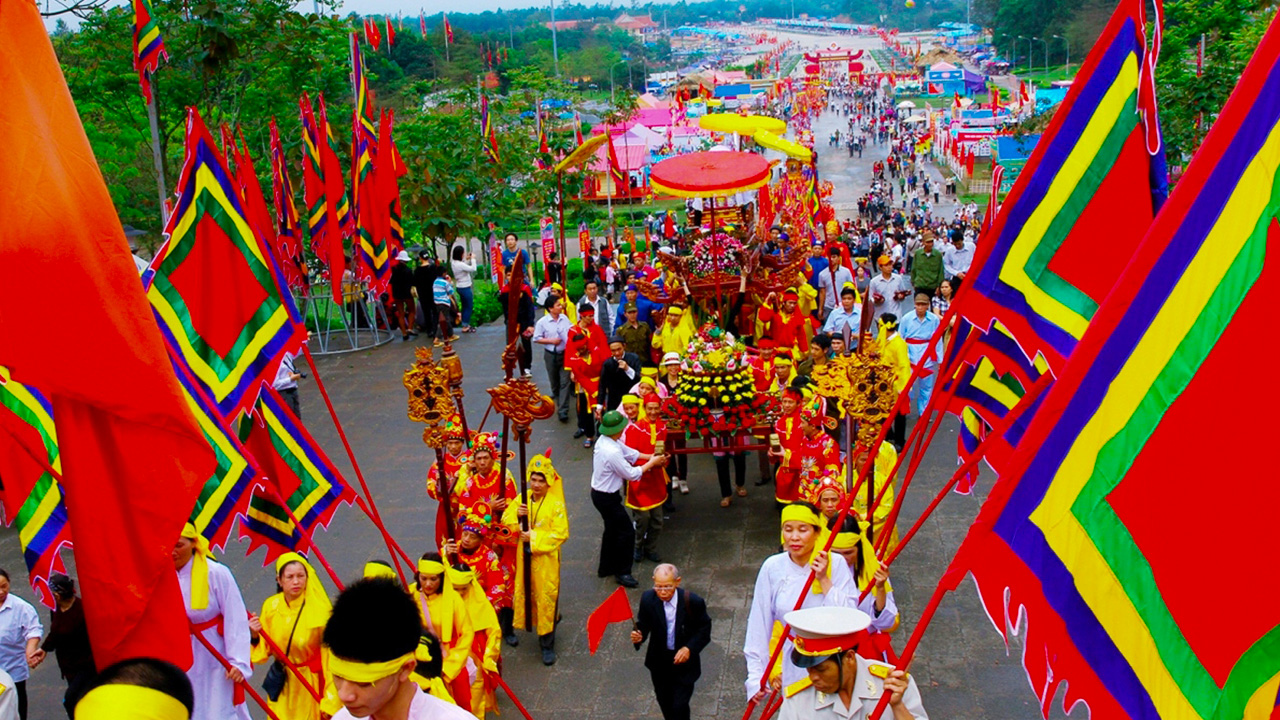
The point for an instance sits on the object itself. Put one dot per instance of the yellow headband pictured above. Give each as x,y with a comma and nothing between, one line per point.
800,513
133,701
377,569
431,567
199,567
292,557
366,672
846,541
630,399
461,578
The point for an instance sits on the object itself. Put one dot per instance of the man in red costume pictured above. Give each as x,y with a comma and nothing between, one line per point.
454,451
787,428
810,453
645,496
584,357
762,365
789,328
473,549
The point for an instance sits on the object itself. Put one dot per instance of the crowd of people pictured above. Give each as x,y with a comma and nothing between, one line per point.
430,644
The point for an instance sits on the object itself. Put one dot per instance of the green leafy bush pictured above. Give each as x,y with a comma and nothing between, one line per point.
485,306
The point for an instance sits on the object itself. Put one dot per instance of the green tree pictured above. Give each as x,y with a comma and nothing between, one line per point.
1232,31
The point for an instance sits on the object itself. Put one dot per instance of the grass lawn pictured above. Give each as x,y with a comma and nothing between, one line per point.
1044,77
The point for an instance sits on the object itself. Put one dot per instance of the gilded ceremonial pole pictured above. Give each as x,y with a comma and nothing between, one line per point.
431,402
518,401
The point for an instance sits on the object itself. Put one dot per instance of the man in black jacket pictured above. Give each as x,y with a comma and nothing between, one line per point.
680,628
619,374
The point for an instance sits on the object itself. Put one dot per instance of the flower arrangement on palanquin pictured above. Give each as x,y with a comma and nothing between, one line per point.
715,393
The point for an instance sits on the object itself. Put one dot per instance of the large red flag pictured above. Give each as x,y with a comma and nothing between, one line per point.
133,459
615,609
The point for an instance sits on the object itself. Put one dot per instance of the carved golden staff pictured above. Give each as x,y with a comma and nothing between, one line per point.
518,401
431,402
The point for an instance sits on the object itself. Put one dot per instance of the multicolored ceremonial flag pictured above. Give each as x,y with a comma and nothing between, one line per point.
328,209
390,169
214,286
448,30
289,237
297,472
973,431
127,443
260,216
989,382
488,138
148,46
225,493
1093,174
372,255
1122,509
31,495
422,21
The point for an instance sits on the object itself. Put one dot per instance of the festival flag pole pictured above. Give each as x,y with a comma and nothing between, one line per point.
431,387
1027,400
371,509
226,664
158,157
293,667
148,51
526,546
520,403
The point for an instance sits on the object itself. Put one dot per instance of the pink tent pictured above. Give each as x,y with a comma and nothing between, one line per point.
630,157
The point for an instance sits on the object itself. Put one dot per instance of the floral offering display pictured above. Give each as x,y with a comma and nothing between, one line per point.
715,393
719,253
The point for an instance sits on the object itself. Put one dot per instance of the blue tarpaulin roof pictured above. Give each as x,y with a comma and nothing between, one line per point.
1010,148
733,90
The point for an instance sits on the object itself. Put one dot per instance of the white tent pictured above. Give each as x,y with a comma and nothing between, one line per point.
906,104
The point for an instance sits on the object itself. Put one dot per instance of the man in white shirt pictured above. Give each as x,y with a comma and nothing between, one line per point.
956,260
593,297
831,279
20,634
845,318
889,291
286,383
552,333
612,464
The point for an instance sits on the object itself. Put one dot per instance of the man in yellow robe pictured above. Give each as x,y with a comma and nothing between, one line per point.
548,523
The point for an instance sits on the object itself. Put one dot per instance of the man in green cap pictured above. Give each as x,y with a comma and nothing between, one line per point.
612,464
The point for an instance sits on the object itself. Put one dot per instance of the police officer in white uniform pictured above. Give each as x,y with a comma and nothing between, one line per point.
844,685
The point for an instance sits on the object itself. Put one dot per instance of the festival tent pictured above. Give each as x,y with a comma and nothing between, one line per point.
649,101
632,158
974,83
641,135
